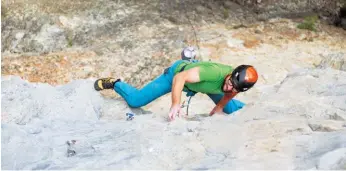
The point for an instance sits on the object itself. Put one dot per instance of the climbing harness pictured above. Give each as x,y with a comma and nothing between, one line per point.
187,105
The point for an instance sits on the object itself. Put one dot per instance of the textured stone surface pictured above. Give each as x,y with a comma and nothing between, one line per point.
336,61
294,117
261,44
46,26
293,129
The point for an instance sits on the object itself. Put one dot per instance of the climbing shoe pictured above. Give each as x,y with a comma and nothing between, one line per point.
105,83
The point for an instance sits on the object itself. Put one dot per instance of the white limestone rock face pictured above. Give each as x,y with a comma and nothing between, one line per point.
333,160
297,124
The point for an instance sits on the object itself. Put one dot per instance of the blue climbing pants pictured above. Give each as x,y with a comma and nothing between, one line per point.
160,86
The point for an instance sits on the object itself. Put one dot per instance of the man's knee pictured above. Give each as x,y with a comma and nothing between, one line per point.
134,105
135,102
228,110
233,106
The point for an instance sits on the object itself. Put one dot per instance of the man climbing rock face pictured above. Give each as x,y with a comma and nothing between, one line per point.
220,82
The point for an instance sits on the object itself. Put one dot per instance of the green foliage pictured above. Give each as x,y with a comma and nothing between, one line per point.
69,38
309,23
3,12
69,43
225,13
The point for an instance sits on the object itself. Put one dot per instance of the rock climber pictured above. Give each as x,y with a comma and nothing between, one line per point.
219,81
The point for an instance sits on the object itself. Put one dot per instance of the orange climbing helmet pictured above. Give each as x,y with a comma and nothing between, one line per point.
244,77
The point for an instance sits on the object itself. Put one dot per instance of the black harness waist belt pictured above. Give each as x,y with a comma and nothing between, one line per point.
182,68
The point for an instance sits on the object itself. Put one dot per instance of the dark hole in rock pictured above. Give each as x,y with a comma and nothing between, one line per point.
341,18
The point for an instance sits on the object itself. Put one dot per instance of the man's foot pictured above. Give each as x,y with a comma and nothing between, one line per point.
105,83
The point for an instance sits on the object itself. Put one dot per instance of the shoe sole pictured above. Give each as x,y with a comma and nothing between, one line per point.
96,85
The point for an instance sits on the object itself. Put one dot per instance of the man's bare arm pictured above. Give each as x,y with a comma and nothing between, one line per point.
225,99
188,76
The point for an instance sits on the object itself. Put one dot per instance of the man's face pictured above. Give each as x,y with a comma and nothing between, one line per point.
227,86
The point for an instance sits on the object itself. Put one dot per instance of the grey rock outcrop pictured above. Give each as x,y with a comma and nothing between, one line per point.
48,26
336,61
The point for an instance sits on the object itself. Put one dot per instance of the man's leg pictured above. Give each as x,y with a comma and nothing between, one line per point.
155,89
232,106
138,98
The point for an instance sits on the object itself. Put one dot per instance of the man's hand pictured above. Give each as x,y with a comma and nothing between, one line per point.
225,99
215,110
174,111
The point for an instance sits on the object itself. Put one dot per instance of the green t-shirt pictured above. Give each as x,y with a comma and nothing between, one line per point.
211,76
